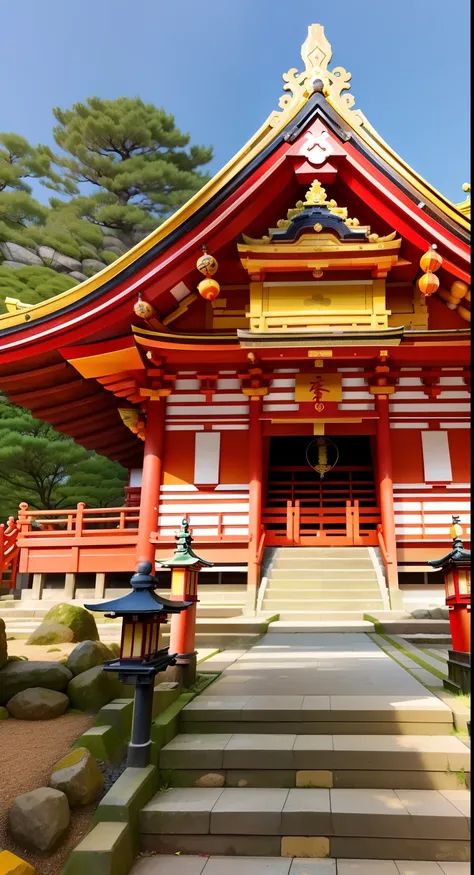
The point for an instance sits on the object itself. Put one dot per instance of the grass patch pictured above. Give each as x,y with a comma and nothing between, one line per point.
165,780
203,680
459,733
212,653
378,628
464,699
415,658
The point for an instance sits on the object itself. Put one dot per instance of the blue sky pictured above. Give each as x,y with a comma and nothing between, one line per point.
217,65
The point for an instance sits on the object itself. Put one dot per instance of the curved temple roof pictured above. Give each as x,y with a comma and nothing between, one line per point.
299,88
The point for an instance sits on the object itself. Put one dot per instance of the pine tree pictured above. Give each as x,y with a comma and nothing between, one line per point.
48,470
133,159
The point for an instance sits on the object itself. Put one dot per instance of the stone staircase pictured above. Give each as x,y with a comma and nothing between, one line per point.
350,778
324,583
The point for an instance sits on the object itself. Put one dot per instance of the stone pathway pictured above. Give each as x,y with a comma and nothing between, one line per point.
167,865
320,746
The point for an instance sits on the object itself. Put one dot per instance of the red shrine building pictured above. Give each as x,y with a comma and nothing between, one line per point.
284,362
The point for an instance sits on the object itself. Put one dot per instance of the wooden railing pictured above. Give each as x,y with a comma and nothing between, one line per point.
298,524
9,550
390,562
78,522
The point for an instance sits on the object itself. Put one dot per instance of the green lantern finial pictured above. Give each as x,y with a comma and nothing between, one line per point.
184,555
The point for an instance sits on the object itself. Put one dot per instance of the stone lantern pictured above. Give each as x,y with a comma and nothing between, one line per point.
185,567
142,655
456,567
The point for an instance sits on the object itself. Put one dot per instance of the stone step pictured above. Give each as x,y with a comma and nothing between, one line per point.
333,616
327,562
315,626
279,585
321,715
164,864
307,598
207,821
320,606
294,574
290,760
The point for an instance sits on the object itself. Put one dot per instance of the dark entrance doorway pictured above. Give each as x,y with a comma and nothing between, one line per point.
304,509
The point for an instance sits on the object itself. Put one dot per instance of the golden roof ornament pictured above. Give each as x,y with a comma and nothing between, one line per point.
465,206
316,53
316,197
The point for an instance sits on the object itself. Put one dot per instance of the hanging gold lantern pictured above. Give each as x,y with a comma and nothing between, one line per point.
143,309
209,289
322,455
428,284
207,264
459,289
431,260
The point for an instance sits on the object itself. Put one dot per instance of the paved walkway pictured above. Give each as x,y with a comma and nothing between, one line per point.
274,866
315,664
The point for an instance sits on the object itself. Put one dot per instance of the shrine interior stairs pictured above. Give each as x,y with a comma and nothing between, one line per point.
323,583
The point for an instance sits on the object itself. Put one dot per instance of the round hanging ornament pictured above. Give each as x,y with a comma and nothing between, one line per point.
431,260
428,284
143,309
209,289
207,264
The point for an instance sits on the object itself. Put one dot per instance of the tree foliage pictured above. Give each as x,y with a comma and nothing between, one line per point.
139,164
48,470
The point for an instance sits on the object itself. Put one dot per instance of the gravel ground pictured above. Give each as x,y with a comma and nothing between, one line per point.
28,751
42,652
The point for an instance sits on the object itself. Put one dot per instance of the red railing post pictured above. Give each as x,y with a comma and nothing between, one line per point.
289,521
79,519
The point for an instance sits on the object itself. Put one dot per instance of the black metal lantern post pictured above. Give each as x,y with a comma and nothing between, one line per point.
141,654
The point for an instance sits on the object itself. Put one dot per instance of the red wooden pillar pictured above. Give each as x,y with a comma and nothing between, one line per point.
151,479
384,466
255,497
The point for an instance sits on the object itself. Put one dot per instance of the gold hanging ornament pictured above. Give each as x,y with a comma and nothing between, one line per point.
207,264
143,309
322,455
430,262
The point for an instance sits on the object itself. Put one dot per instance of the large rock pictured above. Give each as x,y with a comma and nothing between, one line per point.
79,777
439,612
39,819
64,263
93,689
420,614
90,266
80,621
77,275
51,633
86,655
13,265
3,644
113,244
37,703
46,253
15,252
19,676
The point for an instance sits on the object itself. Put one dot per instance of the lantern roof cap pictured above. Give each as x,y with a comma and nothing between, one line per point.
142,599
458,555
184,555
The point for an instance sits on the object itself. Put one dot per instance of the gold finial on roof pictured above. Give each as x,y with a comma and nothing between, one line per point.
465,206
316,53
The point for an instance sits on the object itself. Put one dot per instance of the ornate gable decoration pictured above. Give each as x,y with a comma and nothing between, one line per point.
316,53
315,214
